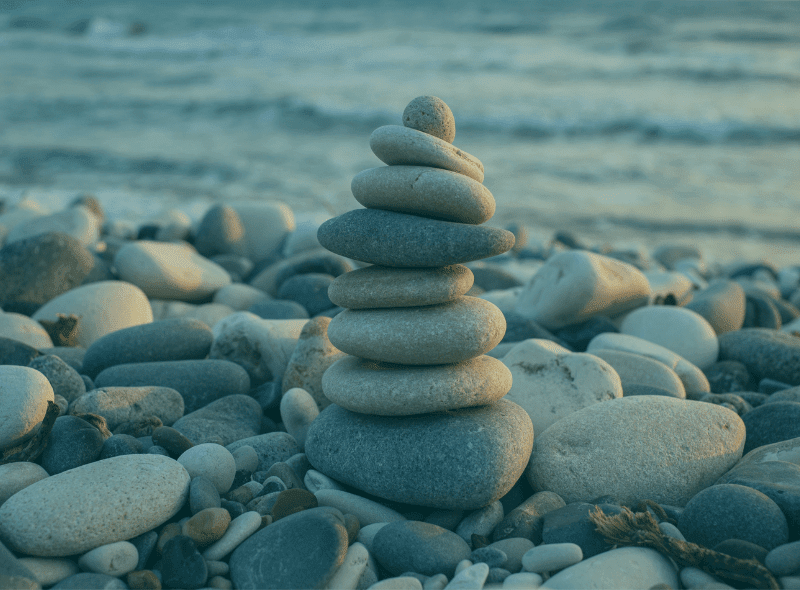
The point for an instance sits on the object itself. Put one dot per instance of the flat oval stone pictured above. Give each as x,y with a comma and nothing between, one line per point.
765,353
458,459
102,307
174,339
396,145
72,442
680,330
24,393
169,271
23,329
573,286
227,419
433,335
92,505
385,389
419,547
635,369
77,222
277,556
64,379
424,191
199,381
722,304
397,239
379,286
18,476
635,448
128,404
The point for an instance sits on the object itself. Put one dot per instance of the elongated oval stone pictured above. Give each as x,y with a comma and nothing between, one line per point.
103,502
433,335
459,459
379,286
425,191
396,239
398,145
386,389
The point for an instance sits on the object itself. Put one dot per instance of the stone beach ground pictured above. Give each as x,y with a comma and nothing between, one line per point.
396,398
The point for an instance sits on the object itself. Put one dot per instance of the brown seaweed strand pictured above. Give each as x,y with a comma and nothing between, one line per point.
641,530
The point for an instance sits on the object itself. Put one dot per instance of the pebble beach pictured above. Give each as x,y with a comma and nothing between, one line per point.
401,396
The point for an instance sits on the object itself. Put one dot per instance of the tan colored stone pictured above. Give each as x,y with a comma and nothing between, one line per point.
396,145
380,286
434,335
425,191
207,526
387,389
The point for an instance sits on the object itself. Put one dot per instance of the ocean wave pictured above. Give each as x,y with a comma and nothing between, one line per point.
291,113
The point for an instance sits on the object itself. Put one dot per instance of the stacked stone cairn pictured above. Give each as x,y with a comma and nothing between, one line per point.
417,415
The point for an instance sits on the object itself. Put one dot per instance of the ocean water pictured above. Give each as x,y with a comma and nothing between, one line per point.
632,122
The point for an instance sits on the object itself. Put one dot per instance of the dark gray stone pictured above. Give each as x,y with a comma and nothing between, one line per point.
778,480
73,442
447,519
230,418
277,556
765,353
14,352
35,270
770,386
785,395
639,389
175,339
493,277
299,464
784,560
279,309
722,304
438,460
220,232
761,312
72,355
527,519
64,380
286,474
571,524
321,263
234,508
771,423
203,494
730,511
171,440
87,581
742,550
728,400
754,398
144,543
497,575
396,239
491,556
120,444
421,547
238,267
268,395
309,290
182,566
578,336
729,377
199,382
519,328
270,448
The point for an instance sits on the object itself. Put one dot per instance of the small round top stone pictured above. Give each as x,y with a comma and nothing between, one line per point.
430,115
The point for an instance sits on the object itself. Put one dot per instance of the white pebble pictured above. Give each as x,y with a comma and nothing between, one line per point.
240,529
212,461
471,578
366,511
462,565
399,583
113,559
298,410
315,481
246,459
366,534
523,581
481,522
549,558
348,574
437,582
50,570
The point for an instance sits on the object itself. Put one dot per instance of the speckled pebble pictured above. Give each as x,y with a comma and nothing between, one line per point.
207,526
113,559
212,461
430,115
551,557
64,380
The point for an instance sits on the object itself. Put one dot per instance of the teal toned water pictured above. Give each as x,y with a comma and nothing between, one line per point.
623,121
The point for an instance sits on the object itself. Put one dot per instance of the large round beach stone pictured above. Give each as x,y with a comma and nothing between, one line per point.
386,389
103,502
637,448
380,286
432,335
573,286
24,393
402,146
460,459
424,191
397,239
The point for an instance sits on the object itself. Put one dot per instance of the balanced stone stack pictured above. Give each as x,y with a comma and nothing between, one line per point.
417,415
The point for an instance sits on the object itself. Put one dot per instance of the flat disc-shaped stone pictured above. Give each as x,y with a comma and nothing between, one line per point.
424,191
396,239
459,459
397,145
433,335
380,286
386,389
